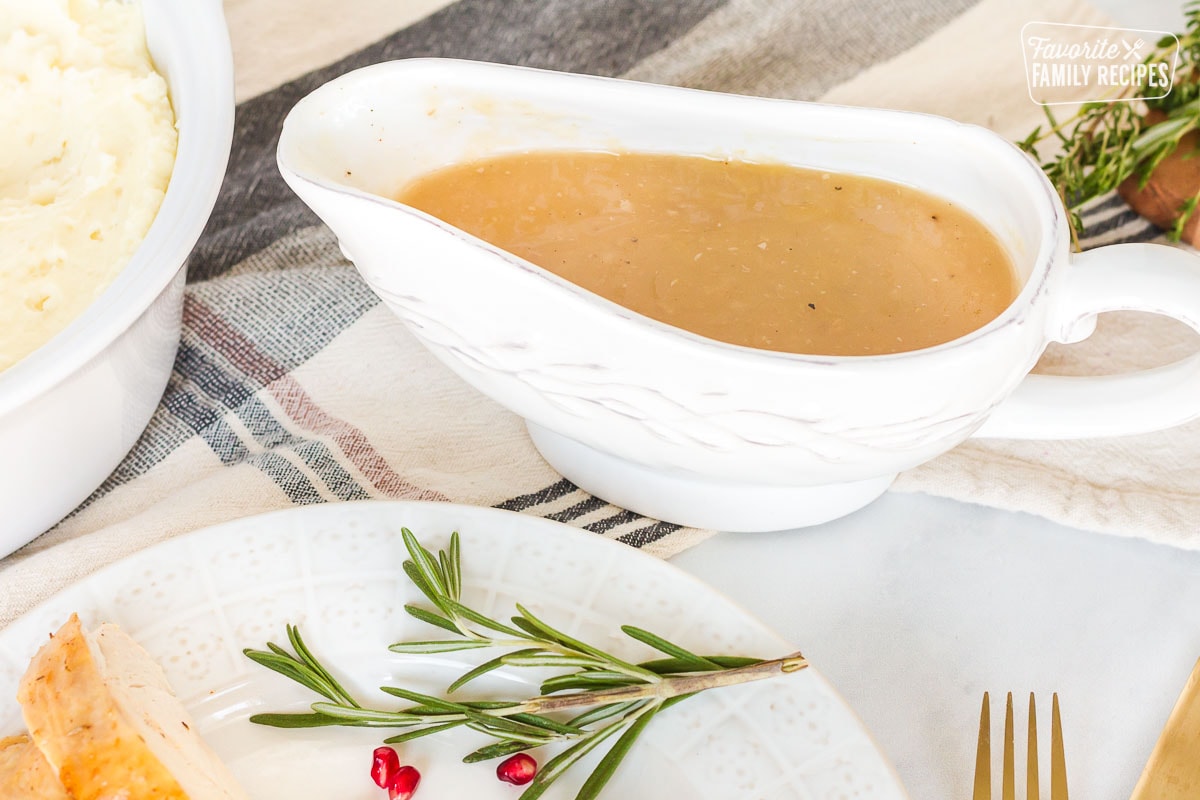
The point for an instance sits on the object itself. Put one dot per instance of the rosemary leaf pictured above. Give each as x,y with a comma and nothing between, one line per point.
448,574
458,609
430,714
484,668
527,618
429,566
408,736
366,715
663,646
539,721
576,682
531,740
297,641
612,759
594,715
488,705
564,760
513,726
442,646
551,660
426,700
456,562
667,666
432,618
496,750
426,588
297,671
296,720
590,678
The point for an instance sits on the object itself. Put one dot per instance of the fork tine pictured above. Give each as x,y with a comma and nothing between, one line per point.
1031,756
1008,785
983,754
1058,759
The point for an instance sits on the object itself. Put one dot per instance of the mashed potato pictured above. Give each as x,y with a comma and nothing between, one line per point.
87,144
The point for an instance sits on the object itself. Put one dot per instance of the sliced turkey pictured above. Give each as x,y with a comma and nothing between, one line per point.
25,773
99,709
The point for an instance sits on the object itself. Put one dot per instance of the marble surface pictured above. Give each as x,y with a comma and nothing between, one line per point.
915,606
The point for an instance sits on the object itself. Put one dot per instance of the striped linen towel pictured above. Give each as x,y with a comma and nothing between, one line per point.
293,385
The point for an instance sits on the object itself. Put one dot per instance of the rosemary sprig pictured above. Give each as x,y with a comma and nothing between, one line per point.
1106,142
614,697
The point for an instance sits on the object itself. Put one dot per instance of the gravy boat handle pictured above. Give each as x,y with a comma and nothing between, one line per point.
1135,277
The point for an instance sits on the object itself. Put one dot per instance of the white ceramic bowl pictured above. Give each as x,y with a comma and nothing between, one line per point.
72,409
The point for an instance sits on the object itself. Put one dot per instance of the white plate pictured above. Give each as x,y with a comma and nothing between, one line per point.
196,601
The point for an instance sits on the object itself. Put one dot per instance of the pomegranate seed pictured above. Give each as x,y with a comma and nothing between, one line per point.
403,783
517,770
384,763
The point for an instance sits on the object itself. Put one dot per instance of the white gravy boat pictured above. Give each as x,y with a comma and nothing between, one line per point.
669,423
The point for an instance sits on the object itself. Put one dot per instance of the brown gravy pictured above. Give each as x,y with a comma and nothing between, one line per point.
763,255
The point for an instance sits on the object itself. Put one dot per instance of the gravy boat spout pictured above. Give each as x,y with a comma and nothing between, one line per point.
650,417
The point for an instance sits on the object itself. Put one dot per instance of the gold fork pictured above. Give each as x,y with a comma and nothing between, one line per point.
983,756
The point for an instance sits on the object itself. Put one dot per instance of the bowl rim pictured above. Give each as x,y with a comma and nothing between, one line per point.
190,46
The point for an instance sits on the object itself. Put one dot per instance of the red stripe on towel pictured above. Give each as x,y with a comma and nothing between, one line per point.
260,368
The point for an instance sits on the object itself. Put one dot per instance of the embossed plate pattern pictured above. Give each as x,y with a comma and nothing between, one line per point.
196,601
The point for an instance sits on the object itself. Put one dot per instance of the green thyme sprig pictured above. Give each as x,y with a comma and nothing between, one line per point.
620,697
1106,142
